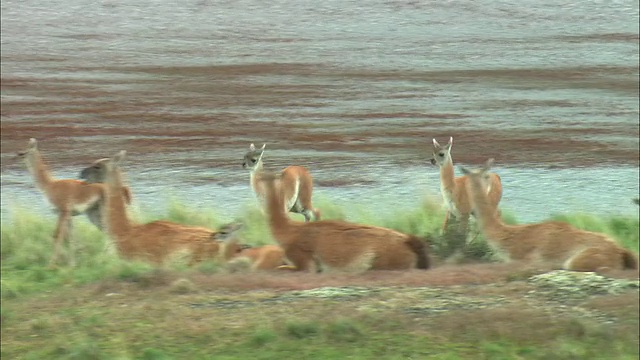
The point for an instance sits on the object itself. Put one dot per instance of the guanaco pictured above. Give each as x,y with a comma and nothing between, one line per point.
454,190
69,197
338,245
156,241
552,243
266,257
295,184
97,177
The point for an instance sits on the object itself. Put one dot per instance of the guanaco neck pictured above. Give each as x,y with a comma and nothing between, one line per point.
254,172
278,220
486,215
39,170
447,176
117,223
230,249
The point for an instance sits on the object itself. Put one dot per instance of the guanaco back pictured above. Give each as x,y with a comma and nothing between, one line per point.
69,197
295,184
454,190
552,243
338,245
266,257
156,241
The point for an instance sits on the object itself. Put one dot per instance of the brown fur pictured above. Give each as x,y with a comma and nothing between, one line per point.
551,243
261,258
454,189
339,245
156,241
295,185
266,257
69,197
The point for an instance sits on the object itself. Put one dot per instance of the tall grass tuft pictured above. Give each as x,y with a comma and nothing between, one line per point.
180,213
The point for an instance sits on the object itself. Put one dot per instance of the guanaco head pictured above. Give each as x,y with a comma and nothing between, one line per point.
227,231
112,165
32,147
479,177
253,158
441,154
96,172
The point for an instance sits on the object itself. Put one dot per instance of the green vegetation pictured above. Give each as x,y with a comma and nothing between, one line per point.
26,241
67,314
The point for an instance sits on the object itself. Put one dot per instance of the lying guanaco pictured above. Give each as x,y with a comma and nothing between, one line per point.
551,243
339,245
69,197
454,190
156,241
266,257
295,184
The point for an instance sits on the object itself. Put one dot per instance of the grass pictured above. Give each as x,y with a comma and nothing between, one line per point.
108,308
159,325
26,242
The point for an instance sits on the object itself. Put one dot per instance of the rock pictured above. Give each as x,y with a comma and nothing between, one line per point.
581,283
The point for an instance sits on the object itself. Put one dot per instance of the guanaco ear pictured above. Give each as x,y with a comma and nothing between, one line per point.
487,165
435,143
252,147
449,144
464,170
33,144
261,152
117,159
234,226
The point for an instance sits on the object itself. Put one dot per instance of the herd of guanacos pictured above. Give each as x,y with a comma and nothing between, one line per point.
315,244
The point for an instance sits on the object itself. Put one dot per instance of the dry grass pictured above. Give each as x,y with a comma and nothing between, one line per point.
461,312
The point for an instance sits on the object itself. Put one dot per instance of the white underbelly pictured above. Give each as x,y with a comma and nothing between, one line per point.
83,207
449,203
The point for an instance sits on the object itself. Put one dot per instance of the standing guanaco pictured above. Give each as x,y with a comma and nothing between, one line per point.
69,197
454,190
295,184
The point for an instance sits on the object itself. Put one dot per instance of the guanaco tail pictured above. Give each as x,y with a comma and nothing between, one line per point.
295,184
156,241
266,257
551,243
338,245
69,197
454,190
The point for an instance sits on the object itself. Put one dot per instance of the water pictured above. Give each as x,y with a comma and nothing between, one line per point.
354,90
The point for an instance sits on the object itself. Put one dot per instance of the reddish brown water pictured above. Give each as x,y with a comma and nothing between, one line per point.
549,90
